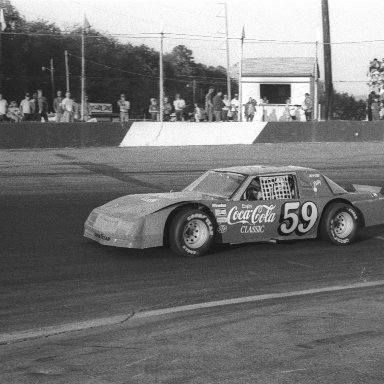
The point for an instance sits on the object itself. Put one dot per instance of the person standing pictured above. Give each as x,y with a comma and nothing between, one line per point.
26,108
3,108
250,110
42,105
154,109
308,107
57,108
87,112
179,105
34,107
235,103
218,105
167,109
226,108
209,104
124,107
67,104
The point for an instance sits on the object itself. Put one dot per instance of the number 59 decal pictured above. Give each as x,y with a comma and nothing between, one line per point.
299,220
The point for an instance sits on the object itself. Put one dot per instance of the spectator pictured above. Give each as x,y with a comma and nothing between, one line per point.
235,103
76,110
154,109
218,105
179,105
57,108
308,107
226,108
34,107
375,107
67,105
14,114
26,108
198,113
265,100
124,107
43,105
371,97
250,110
167,109
87,112
3,109
209,104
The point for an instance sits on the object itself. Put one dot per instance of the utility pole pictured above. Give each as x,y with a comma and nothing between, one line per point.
161,85
239,112
66,71
83,69
52,83
327,60
227,48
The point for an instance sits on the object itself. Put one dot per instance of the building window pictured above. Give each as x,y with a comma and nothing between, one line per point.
275,93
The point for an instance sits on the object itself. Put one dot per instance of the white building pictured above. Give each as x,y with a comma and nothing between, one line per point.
282,81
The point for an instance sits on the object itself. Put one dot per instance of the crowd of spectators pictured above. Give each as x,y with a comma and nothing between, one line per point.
375,102
35,108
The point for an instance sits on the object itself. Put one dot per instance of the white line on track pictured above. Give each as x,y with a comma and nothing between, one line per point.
7,338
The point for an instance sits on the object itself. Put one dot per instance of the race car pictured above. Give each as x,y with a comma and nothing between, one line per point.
238,205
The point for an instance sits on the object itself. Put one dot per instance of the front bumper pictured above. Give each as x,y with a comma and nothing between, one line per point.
113,231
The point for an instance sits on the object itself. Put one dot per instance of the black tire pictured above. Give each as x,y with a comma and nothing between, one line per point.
339,224
191,233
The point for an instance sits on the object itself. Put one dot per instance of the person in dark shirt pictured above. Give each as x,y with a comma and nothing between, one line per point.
218,105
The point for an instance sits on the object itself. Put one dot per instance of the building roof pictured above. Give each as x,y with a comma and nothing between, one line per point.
279,67
255,170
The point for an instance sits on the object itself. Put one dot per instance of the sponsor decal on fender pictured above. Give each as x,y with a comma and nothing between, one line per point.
222,228
220,212
219,205
261,214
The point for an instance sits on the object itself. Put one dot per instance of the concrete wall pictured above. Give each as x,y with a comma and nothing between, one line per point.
328,131
54,135
186,133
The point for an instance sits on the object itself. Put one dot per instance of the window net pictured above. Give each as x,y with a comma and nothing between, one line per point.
275,187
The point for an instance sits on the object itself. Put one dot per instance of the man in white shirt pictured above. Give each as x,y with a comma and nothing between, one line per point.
235,103
179,105
3,108
124,107
26,108
68,108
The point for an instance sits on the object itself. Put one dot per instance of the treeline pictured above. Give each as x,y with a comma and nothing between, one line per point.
112,67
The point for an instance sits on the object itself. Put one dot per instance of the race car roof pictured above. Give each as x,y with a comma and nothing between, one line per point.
255,170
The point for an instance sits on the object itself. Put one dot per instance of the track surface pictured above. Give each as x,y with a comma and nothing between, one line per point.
50,274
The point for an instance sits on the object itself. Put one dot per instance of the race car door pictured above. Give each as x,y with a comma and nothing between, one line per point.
273,210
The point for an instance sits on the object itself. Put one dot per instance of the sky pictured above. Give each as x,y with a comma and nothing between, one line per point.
273,28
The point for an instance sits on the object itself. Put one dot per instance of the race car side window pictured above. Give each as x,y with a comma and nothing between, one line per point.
278,187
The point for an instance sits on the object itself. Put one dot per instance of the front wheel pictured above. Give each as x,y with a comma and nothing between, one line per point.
340,224
191,233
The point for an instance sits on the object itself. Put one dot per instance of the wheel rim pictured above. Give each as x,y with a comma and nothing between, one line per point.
195,234
343,225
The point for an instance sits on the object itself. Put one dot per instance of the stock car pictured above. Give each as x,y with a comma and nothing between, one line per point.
238,205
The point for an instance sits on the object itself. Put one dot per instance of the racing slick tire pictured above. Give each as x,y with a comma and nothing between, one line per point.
340,224
191,233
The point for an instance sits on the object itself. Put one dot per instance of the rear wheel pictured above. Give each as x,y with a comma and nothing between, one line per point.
191,233
340,224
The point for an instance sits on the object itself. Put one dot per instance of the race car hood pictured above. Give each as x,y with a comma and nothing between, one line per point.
135,206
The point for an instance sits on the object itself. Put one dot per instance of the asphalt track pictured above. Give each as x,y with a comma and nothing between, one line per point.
50,275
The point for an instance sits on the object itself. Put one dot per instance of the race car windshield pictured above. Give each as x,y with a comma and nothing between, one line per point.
218,184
